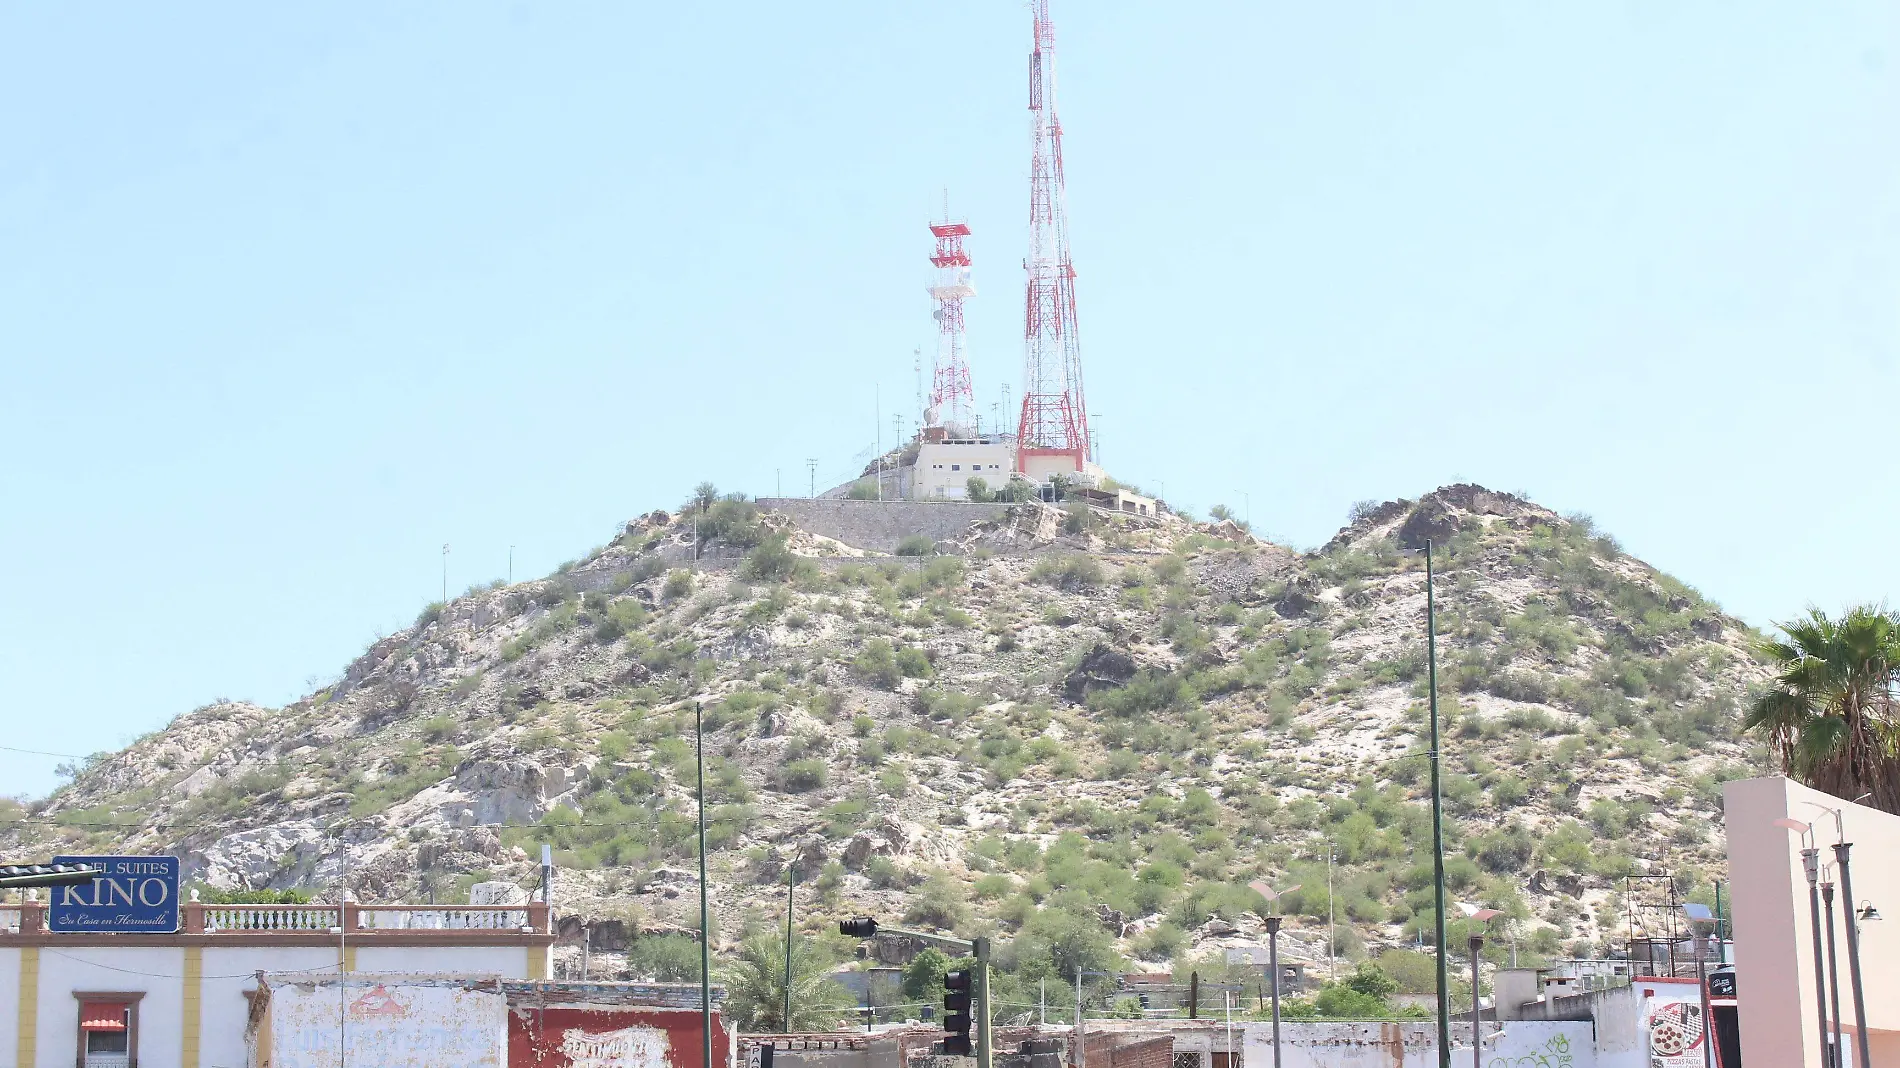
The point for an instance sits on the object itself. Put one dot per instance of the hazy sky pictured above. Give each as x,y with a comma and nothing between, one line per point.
290,298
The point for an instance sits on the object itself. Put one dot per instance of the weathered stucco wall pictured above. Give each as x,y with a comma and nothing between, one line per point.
610,1037
1407,1045
393,1021
880,525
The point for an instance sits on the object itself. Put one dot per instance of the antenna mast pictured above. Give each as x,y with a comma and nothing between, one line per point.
952,401
1054,420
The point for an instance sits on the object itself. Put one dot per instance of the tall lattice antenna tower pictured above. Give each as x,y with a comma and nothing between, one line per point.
1054,418
952,401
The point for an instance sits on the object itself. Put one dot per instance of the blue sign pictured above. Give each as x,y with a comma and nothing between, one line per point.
134,894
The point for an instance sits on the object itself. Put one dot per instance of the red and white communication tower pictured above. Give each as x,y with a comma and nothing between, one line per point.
952,401
1054,419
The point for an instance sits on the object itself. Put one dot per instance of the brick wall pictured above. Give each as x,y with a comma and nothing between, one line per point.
1110,1050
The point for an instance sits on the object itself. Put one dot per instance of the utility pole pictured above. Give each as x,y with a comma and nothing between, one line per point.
511,565
1332,923
811,471
445,575
1438,821
705,927
791,880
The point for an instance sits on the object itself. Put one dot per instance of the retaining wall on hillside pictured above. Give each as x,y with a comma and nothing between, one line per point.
880,525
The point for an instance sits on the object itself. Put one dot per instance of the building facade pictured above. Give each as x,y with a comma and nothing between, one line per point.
121,1000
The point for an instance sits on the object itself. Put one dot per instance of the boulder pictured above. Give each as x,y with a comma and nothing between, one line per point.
1102,668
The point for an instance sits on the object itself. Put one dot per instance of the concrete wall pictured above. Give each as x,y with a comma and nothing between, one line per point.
392,1020
1774,958
944,470
880,525
213,1011
1415,1045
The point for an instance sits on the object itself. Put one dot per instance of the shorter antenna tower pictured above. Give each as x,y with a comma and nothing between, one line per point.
952,400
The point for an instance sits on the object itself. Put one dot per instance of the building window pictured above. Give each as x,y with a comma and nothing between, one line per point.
956,467
108,1028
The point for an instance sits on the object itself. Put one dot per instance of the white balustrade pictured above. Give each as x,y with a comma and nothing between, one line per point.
270,918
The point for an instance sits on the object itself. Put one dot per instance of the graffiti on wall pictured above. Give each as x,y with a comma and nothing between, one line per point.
1554,1053
630,1047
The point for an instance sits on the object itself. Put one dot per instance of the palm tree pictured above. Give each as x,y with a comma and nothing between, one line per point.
1830,716
755,985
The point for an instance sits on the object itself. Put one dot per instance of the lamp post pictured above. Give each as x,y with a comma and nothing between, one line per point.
791,880
1811,866
1833,962
705,932
1273,952
1482,917
1853,949
1700,915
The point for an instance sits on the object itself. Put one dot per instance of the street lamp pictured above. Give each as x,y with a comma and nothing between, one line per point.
1481,917
1842,847
1699,914
1273,952
1811,865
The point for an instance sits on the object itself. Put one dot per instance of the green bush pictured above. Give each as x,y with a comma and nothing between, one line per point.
803,775
621,618
1076,571
917,545
976,489
864,489
1342,1001
876,663
771,560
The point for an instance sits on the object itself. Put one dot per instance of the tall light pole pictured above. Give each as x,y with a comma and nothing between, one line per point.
1811,866
445,575
705,928
1700,915
1438,819
791,880
1274,919
1842,847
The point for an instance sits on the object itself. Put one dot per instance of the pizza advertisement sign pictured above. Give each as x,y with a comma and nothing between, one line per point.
1676,1034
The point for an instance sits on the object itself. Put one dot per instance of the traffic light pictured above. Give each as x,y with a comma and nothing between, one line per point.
858,927
958,986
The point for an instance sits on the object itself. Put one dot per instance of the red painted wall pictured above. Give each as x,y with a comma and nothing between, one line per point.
536,1036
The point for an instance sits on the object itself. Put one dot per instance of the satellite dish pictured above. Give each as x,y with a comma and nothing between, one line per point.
937,315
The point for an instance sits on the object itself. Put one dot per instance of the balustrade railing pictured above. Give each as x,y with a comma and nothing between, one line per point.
442,918
270,918
355,919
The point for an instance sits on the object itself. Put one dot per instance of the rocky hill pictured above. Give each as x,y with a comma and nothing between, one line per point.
1087,730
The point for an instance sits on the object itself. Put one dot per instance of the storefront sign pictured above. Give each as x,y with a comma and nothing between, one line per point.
136,894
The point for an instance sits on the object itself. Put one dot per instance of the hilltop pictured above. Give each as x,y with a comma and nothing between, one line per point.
1090,731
